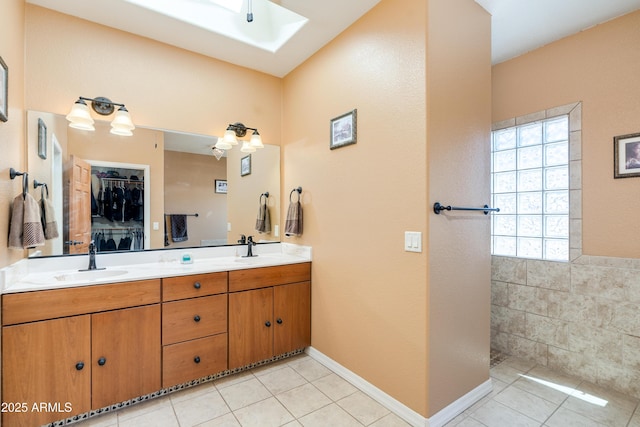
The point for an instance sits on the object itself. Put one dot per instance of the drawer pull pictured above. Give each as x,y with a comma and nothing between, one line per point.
196,359
279,321
102,361
196,318
197,285
267,324
79,366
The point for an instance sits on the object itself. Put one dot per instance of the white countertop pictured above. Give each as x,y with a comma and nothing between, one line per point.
66,271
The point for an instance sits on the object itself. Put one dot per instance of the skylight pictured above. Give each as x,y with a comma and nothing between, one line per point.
272,27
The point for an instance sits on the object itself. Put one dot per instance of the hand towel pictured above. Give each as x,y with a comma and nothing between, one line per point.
25,229
49,224
179,228
293,224
263,221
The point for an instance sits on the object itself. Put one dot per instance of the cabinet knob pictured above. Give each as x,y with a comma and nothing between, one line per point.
102,361
79,366
267,324
279,321
197,285
196,359
196,318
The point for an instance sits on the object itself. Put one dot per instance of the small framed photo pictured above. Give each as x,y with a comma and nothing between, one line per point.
245,165
42,139
4,90
221,186
344,130
626,156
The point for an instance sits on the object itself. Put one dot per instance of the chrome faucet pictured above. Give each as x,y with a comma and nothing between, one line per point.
250,245
243,239
92,256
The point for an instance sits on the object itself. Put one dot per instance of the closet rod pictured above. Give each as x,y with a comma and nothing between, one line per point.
437,208
195,214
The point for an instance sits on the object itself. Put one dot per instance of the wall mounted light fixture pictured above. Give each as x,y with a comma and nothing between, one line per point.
234,131
80,117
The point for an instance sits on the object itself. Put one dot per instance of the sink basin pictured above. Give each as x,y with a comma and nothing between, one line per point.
89,275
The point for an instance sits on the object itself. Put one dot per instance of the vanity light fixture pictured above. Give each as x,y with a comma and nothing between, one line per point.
238,130
80,117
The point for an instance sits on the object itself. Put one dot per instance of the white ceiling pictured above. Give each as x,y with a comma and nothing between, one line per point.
519,26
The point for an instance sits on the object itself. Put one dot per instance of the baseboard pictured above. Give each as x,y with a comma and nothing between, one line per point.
397,407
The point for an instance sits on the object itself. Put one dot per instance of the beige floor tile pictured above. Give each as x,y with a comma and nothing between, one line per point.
303,400
334,386
363,408
200,408
547,384
281,380
109,419
390,420
505,373
601,405
268,368
526,403
266,413
192,392
227,420
233,379
244,393
163,417
309,368
293,423
565,418
331,415
465,422
143,408
495,414
635,420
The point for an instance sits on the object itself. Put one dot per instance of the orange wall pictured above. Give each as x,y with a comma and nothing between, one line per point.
599,67
12,132
458,129
369,296
189,187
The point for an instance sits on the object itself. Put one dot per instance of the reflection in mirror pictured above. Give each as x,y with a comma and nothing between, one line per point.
179,187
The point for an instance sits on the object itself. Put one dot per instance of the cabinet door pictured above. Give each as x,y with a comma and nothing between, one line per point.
48,363
126,353
250,327
292,314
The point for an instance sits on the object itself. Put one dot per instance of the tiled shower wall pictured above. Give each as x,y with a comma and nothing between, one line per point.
581,317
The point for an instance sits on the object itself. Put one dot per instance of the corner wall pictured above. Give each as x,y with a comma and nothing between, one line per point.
369,296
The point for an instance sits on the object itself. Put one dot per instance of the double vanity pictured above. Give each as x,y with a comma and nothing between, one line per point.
77,343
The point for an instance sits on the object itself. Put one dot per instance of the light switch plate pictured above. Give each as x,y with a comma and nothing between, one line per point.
413,241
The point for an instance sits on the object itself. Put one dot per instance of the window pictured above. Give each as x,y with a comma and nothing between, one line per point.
530,185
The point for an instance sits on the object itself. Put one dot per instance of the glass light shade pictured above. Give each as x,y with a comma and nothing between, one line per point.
79,116
222,144
218,153
121,131
122,122
256,141
230,137
247,147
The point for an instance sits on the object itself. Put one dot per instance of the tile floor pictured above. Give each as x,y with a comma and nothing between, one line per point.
301,392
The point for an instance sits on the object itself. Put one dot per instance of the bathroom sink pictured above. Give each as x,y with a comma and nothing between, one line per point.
89,275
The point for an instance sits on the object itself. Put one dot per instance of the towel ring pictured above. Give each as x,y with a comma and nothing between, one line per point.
25,180
266,195
299,190
44,186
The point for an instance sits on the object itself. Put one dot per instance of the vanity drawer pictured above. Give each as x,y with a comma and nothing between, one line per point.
193,318
197,285
50,304
254,278
193,359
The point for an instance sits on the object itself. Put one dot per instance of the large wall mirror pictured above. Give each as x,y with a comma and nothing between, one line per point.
157,189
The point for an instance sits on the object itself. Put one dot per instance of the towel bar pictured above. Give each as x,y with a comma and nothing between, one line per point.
437,208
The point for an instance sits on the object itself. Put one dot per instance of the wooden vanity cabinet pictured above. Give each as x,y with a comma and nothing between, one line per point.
270,314
76,360
194,327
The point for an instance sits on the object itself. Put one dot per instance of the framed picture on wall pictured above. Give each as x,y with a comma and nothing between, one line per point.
4,90
221,186
344,130
42,139
626,156
245,165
